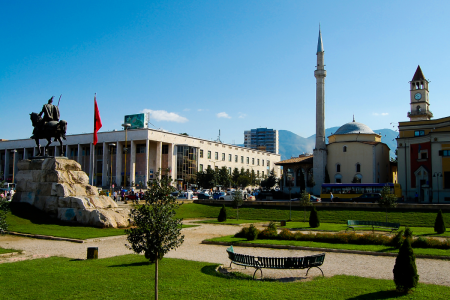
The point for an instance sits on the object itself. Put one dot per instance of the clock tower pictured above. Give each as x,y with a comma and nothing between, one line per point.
420,104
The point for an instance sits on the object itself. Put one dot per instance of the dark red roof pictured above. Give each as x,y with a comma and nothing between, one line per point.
295,160
418,75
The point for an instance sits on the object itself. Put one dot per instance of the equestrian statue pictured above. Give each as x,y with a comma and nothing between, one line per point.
49,126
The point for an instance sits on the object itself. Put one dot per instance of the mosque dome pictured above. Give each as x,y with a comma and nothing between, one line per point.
354,127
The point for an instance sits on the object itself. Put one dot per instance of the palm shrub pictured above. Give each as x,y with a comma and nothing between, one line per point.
314,221
439,225
405,270
222,214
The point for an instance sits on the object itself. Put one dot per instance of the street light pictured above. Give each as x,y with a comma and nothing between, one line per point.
126,126
437,175
110,181
14,162
289,183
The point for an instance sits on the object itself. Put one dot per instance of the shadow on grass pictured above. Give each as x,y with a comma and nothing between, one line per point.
36,216
135,264
379,295
211,270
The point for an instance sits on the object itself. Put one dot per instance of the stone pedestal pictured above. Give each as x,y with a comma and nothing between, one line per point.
59,187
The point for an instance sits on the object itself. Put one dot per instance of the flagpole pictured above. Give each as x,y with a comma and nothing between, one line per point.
93,145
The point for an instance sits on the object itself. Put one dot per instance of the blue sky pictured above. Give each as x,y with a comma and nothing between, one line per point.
201,66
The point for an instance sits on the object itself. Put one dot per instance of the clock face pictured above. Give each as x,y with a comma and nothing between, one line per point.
418,96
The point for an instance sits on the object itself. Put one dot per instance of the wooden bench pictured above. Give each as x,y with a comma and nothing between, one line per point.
306,262
385,225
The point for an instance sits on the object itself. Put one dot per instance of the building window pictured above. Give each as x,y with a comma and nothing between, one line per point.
257,173
262,160
262,173
248,160
216,156
338,168
358,168
423,155
338,178
235,158
268,163
229,171
209,166
419,132
164,150
253,161
223,156
445,153
242,159
201,168
209,154
229,157
201,153
99,151
344,149
446,180
258,162
140,148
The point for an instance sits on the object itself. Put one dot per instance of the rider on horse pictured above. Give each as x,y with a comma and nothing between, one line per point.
51,113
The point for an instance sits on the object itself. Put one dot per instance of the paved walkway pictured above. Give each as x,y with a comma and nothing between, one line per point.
430,271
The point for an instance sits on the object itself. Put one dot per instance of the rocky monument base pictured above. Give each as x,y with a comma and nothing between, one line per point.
60,188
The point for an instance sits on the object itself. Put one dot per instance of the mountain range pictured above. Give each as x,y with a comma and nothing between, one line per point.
292,145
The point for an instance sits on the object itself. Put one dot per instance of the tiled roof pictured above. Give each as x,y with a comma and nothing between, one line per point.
295,160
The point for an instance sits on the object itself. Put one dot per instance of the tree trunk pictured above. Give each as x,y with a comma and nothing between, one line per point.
156,278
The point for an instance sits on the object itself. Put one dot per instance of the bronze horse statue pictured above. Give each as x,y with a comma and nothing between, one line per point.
48,130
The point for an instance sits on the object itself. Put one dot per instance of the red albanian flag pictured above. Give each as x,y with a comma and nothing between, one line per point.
97,120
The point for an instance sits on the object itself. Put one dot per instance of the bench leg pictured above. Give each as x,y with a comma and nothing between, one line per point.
256,270
317,268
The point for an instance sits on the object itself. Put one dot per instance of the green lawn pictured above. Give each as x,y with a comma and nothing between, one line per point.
414,218
228,222
131,277
3,251
373,248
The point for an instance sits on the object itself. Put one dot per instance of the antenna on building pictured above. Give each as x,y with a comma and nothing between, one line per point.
218,138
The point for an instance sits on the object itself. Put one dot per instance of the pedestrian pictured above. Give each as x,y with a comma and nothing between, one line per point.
331,196
115,196
416,198
122,195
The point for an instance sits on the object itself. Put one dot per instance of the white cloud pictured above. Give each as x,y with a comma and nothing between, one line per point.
382,114
242,115
186,109
223,115
162,115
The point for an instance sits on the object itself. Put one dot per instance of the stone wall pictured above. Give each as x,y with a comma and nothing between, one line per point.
60,188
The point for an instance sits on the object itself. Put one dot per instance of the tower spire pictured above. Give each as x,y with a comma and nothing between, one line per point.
319,42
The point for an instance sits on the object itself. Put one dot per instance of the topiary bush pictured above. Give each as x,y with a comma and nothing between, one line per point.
222,214
314,221
408,233
397,240
439,225
405,270
269,233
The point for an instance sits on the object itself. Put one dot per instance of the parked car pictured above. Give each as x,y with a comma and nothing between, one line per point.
217,195
204,196
368,197
313,198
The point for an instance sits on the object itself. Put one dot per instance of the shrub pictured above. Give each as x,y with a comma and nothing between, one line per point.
397,239
252,233
439,225
243,233
408,233
222,214
269,233
272,226
314,221
286,234
405,270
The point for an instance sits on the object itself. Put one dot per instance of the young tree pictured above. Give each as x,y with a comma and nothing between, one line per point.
234,177
405,270
387,200
439,225
243,181
223,177
157,230
238,200
270,181
304,201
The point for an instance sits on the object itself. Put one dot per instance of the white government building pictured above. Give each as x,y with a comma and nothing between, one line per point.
149,150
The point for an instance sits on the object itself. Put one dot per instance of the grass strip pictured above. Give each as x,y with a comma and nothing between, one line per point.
372,248
4,251
132,277
406,217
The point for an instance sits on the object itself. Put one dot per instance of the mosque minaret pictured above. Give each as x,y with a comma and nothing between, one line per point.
320,150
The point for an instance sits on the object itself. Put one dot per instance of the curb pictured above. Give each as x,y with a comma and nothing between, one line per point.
9,254
288,247
45,237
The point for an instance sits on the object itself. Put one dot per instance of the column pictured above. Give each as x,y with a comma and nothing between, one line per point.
147,162
67,151
158,158
119,154
16,160
133,162
25,154
6,170
172,161
79,154
105,165
56,151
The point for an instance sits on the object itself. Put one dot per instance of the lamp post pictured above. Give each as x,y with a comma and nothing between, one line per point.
289,183
110,181
126,126
437,175
14,163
